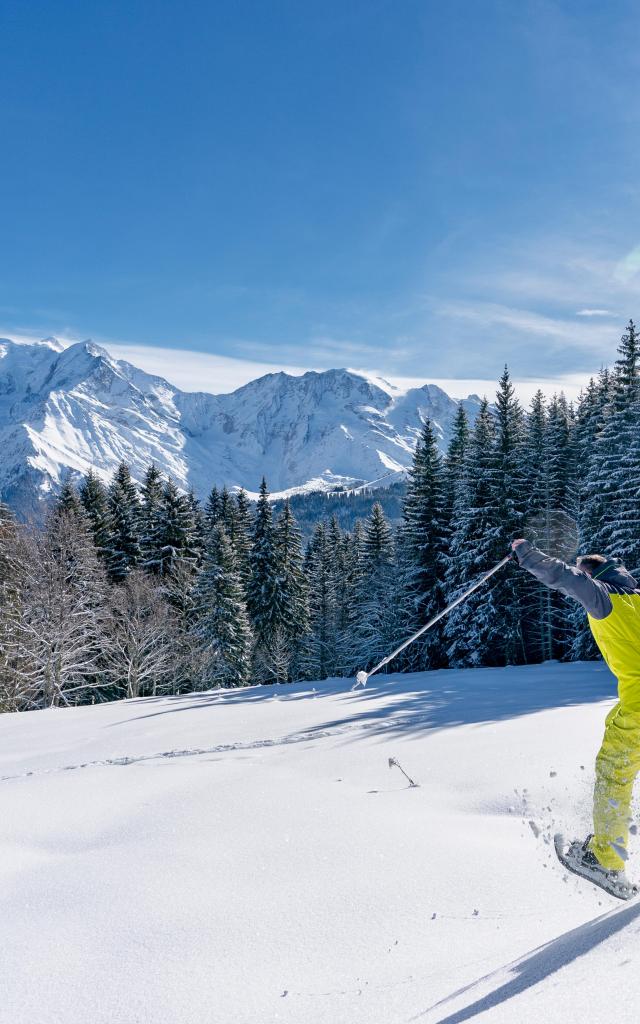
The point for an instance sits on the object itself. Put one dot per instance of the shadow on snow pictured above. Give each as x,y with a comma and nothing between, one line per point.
414,703
534,967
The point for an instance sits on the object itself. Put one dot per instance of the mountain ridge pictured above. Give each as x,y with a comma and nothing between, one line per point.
66,409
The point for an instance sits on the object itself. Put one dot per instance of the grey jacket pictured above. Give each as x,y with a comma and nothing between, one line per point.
593,594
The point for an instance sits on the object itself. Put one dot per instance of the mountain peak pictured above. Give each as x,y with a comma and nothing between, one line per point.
53,343
65,409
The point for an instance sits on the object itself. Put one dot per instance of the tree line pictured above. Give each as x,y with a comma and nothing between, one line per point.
131,591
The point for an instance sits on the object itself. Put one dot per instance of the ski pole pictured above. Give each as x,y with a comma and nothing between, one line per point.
362,677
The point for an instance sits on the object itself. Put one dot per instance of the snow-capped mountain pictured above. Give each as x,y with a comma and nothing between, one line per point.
71,409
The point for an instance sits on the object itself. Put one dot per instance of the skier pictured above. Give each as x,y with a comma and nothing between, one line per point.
611,597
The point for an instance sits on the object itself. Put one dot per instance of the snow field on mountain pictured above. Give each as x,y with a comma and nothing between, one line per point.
79,409
248,857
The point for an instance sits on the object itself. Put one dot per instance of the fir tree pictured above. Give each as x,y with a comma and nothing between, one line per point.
227,514
375,630
472,629
264,593
242,538
150,519
423,542
122,477
222,627
510,488
199,528
455,458
594,490
586,499
68,501
95,501
212,510
176,530
618,458
318,659
124,542
294,609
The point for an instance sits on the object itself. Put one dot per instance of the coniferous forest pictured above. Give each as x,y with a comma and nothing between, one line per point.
130,591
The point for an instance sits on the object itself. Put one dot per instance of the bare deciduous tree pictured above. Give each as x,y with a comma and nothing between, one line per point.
140,649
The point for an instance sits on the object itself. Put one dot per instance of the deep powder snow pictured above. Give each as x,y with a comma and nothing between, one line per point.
248,857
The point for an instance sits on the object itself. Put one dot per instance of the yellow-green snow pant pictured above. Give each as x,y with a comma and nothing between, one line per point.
617,764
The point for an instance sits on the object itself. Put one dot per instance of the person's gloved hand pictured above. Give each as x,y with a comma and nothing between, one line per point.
515,543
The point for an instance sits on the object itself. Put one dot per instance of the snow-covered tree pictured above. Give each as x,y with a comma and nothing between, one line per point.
212,510
68,501
59,637
319,654
139,649
455,459
618,458
282,651
264,592
375,630
16,688
150,518
423,541
124,509
95,501
242,537
222,630
472,629
177,539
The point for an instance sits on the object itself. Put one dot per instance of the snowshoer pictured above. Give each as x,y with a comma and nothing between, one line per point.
611,597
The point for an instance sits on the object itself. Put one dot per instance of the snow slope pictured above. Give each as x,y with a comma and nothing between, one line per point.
248,857
71,409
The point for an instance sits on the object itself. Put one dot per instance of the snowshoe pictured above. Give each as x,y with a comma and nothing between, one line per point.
578,858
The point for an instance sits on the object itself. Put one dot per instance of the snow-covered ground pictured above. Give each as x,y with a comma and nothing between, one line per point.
249,856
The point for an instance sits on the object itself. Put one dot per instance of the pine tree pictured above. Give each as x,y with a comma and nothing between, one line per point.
150,519
68,501
124,543
264,593
455,458
510,490
375,630
342,587
227,514
618,458
547,455
348,589
122,477
242,538
318,658
594,496
222,627
212,510
199,528
472,629
293,586
586,498
95,501
176,530
423,543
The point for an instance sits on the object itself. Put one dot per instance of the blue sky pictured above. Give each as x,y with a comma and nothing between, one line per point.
423,189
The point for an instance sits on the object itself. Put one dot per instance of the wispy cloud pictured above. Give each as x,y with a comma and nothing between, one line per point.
197,371
594,312
530,324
